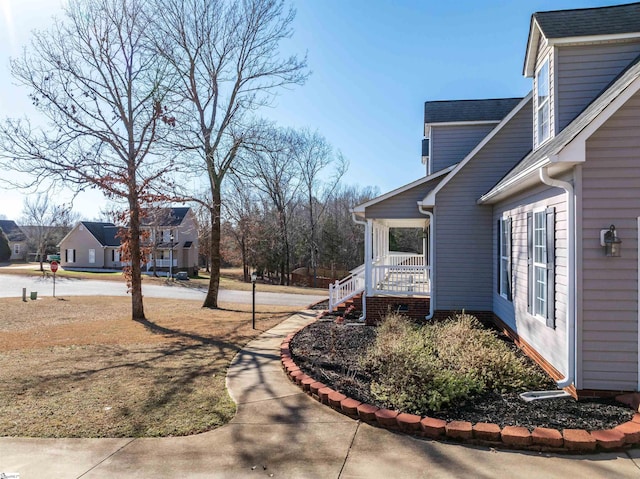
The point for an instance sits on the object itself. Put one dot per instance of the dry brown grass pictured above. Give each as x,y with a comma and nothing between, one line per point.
80,367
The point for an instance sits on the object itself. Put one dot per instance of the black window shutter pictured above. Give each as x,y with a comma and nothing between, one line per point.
66,255
530,262
551,276
509,265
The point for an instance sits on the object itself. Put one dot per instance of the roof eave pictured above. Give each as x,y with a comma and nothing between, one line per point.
535,34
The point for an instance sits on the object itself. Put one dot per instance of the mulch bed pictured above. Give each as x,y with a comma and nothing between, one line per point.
331,353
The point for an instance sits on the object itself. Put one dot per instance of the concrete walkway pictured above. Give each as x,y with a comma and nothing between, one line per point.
280,432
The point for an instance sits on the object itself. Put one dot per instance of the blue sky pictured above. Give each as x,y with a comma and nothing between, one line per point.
373,63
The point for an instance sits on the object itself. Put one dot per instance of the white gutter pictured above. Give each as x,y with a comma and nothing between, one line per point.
570,321
363,316
431,263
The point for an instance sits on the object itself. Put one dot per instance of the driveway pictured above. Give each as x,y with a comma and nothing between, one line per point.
11,286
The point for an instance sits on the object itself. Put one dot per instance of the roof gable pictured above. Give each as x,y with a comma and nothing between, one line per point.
454,111
430,199
581,25
550,150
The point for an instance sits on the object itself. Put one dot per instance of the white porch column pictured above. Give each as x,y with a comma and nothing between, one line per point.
368,240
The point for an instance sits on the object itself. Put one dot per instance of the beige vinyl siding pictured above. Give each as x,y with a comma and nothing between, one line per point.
584,71
549,342
403,205
463,229
609,297
450,144
81,240
544,52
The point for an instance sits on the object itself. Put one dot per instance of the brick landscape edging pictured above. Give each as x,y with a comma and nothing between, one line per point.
574,441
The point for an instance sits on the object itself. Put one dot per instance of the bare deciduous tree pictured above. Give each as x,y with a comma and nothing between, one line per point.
45,223
273,170
314,156
100,89
225,54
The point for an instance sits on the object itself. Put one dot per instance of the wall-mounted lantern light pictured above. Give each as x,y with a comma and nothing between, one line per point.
609,239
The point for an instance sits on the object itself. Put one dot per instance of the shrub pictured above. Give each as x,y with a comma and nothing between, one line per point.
423,368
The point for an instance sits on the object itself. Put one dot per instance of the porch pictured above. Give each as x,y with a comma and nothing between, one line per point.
401,274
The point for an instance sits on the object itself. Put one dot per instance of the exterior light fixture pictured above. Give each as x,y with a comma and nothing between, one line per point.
609,239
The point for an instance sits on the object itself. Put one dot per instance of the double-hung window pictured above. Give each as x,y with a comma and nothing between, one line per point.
542,106
504,258
541,262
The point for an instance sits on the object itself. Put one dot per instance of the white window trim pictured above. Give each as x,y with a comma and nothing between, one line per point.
541,212
547,103
92,256
16,248
504,259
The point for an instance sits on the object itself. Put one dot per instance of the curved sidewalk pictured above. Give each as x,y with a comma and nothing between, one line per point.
280,432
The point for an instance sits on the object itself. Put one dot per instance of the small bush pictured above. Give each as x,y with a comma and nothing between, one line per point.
423,368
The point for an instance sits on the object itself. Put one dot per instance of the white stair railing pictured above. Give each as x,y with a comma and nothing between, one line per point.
346,288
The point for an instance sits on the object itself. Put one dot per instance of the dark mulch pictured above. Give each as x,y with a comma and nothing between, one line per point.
331,353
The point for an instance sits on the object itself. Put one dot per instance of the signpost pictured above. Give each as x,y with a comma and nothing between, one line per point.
54,268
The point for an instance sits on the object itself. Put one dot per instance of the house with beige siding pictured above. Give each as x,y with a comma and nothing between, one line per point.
171,242
530,208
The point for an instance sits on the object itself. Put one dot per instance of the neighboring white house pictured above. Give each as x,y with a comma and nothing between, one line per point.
530,207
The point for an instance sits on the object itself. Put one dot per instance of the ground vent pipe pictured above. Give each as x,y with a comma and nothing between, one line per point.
570,322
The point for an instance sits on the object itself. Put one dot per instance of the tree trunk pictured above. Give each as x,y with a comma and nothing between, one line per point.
245,265
137,308
211,300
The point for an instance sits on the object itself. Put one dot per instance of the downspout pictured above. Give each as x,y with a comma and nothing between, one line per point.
429,214
570,322
363,316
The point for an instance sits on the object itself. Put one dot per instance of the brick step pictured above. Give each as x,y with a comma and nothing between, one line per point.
356,301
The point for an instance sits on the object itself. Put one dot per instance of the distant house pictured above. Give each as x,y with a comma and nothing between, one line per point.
172,236
91,245
17,239
530,208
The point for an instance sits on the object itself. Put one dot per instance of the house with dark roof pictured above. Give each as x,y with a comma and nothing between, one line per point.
16,238
171,240
530,208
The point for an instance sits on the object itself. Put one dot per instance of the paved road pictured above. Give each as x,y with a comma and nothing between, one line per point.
11,286
280,432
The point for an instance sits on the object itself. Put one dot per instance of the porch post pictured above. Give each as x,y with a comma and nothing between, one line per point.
367,257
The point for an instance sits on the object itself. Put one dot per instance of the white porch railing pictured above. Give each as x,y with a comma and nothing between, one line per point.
394,273
401,279
346,288
162,263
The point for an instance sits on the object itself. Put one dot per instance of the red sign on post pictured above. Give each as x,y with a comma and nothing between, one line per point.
54,266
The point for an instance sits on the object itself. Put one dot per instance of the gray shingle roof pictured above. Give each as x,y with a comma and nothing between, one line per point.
12,231
590,21
103,232
553,146
468,110
110,238
165,216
